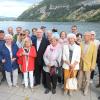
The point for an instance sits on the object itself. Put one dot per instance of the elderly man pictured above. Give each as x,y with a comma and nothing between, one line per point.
10,30
96,42
41,45
88,61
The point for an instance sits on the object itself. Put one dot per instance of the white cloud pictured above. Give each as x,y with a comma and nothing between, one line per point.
13,8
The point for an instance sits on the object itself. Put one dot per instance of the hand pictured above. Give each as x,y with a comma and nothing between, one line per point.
48,65
72,66
3,61
13,59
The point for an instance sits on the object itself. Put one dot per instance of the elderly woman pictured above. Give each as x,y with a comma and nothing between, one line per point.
52,57
27,55
9,59
71,59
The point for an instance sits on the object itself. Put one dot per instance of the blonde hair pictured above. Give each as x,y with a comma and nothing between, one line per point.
27,40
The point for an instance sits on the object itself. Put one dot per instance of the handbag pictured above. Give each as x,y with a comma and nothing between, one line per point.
71,83
52,70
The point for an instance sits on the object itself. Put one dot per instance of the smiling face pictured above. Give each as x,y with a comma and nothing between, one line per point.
54,42
63,35
39,33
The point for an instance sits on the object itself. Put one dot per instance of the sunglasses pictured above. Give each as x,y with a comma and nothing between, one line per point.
22,34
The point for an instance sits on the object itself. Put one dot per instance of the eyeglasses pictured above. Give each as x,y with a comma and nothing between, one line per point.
22,34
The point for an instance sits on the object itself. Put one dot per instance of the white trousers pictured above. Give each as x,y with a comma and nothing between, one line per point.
14,77
31,79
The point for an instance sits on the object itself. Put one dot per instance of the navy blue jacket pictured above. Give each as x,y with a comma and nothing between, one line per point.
8,65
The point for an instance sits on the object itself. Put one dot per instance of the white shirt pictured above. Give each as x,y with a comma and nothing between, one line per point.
38,44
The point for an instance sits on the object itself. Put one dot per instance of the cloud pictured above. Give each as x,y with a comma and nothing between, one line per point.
13,8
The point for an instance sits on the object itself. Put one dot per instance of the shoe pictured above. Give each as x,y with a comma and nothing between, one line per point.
53,91
47,91
98,86
91,81
32,89
3,79
99,98
70,93
85,93
36,84
65,93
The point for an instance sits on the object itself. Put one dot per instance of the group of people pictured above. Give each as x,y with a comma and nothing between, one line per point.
49,57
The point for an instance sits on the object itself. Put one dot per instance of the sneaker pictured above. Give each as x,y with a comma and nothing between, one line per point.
47,91
53,91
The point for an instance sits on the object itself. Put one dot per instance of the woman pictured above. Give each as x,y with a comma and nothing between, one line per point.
71,59
52,57
9,59
27,56
63,38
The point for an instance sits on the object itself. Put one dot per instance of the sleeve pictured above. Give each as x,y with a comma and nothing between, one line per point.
94,57
46,61
19,52
33,52
65,53
98,55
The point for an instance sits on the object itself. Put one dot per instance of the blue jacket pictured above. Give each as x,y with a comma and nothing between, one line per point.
2,43
8,65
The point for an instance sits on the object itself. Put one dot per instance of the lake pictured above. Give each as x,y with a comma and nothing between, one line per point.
61,26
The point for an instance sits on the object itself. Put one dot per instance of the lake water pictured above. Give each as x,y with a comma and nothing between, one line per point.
61,26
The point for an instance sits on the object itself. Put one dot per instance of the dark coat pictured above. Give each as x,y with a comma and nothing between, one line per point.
39,59
98,56
8,65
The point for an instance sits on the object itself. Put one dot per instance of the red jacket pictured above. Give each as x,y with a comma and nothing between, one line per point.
27,64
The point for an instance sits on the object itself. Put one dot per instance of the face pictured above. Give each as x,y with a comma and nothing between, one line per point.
10,30
87,37
18,30
49,36
27,33
39,33
34,31
74,29
22,35
92,36
27,44
1,36
63,35
79,39
54,42
71,40
8,40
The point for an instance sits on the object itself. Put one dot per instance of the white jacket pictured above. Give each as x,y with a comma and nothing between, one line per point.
75,57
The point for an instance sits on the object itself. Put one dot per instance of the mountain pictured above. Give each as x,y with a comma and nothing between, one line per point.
63,10
3,18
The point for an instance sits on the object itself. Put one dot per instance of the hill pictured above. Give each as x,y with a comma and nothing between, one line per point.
63,10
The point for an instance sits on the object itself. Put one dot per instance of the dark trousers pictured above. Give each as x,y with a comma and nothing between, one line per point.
51,81
44,79
37,74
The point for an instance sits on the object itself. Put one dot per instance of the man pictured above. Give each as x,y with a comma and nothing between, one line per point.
10,31
88,61
33,37
43,28
96,42
2,42
18,31
74,29
40,44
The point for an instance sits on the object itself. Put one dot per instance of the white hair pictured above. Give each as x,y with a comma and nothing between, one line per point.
8,36
71,35
93,32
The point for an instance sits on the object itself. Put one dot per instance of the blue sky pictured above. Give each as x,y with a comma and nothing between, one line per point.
13,8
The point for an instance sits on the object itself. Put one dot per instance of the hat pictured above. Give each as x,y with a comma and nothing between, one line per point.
42,27
71,35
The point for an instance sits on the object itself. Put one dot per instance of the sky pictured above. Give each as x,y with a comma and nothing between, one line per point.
13,8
